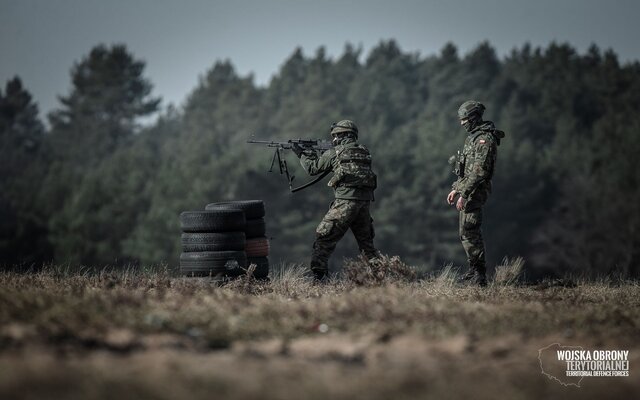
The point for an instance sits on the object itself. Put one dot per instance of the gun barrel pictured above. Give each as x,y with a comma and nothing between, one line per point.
305,143
259,141
270,143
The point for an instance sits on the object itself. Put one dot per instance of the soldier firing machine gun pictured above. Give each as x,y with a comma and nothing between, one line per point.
306,145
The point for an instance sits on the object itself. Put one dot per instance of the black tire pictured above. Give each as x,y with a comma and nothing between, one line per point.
213,241
255,228
253,209
262,266
257,247
220,220
215,263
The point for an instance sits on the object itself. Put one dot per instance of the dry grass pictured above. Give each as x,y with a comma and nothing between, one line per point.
509,272
378,271
376,334
446,280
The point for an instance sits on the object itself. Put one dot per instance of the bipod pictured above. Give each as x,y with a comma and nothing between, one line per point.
284,169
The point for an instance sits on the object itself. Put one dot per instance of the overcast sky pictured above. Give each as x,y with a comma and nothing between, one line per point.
180,40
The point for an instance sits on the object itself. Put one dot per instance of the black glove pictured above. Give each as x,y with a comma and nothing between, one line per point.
296,148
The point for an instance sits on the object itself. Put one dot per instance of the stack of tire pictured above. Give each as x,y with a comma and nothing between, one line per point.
256,245
213,243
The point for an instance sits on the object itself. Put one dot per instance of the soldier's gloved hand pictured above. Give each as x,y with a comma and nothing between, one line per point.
297,149
460,203
451,197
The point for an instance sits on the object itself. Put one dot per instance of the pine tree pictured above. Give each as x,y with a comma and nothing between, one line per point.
22,166
99,116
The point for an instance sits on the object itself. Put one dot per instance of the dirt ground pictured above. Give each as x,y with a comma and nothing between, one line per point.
128,335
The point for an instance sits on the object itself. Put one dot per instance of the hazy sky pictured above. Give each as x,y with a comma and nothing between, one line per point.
180,40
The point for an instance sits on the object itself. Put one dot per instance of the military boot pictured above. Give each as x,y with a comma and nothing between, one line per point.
467,277
479,279
319,272
474,276
480,276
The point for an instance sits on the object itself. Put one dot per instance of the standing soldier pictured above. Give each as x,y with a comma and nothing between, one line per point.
353,183
475,166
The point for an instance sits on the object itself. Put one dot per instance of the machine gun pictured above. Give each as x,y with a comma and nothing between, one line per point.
306,144
458,162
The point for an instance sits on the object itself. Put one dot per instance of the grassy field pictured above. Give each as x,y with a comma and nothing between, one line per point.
371,334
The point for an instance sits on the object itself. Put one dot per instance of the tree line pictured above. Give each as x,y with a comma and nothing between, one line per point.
96,187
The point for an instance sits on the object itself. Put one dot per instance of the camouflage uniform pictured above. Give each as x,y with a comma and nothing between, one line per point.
475,170
353,190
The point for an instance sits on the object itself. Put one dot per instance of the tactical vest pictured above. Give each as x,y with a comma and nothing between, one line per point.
465,164
353,168
467,154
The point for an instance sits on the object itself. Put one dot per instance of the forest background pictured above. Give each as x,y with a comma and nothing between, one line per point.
100,184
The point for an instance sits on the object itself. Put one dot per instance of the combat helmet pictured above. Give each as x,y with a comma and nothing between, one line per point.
471,111
342,128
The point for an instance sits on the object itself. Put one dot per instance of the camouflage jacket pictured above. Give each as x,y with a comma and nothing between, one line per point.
478,159
316,164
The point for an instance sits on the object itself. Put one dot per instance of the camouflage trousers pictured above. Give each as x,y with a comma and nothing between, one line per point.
342,216
471,238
